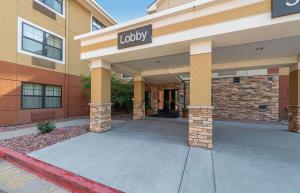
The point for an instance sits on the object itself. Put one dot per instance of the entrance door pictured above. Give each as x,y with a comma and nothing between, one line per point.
169,100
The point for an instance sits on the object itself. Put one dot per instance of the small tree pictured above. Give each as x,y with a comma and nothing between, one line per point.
121,92
86,85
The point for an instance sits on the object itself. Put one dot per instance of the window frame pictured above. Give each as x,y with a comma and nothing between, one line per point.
21,23
92,21
52,9
43,96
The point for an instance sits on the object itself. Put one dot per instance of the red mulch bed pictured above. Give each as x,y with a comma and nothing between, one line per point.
16,127
29,143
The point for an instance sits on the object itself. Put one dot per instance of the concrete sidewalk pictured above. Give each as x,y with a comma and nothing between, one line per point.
15,180
34,130
152,156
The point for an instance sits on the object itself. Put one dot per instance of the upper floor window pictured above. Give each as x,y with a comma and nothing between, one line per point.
96,24
40,43
56,5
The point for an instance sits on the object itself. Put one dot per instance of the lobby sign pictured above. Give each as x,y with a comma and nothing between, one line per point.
285,7
135,37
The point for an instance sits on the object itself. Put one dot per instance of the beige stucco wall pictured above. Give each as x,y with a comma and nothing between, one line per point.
139,91
101,86
200,79
8,29
78,21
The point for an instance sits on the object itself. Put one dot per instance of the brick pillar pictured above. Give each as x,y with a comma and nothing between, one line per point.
154,99
138,111
139,98
200,114
294,98
100,106
200,126
100,117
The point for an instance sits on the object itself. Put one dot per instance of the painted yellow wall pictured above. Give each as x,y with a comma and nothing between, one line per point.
294,88
284,71
200,79
139,91
78,19
8,20
79,22
101,85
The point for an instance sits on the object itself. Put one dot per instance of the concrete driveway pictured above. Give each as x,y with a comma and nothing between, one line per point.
152,156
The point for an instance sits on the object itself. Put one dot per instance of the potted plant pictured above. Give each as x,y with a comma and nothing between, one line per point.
148,110
185,112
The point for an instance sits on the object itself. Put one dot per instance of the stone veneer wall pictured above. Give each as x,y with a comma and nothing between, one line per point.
138,111
294,118
242,101
200,127
154,99
100,117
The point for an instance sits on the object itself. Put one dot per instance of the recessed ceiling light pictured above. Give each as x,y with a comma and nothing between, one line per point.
260,48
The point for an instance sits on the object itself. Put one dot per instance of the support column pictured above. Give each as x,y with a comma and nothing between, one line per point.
100,106
294,97
200,110
139,98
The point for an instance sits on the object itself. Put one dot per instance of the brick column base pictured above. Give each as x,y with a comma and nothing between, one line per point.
200,126
138,111
100,117
294,118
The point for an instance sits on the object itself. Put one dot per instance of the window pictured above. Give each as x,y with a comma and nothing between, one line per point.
124,76
96,25
56,5
41,43
39,96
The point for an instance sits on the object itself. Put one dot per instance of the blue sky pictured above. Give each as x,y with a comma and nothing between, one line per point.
125,10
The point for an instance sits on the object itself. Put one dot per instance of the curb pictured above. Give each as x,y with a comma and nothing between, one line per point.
55,175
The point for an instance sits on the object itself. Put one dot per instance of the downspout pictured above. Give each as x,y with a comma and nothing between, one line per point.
66,58
184,93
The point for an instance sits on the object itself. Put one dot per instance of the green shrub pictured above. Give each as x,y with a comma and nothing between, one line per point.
46,127
121,92
185,110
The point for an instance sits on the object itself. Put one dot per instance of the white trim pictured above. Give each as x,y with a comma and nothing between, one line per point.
240,24
157,15
53,10
100,64
200,47
91,23
165,71
19,38
153,7
176,19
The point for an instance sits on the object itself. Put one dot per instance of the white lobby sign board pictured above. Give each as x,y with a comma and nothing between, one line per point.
285,7
135,37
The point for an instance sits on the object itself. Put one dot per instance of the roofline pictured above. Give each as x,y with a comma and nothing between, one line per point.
146,18
152,7
103,11
155,1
